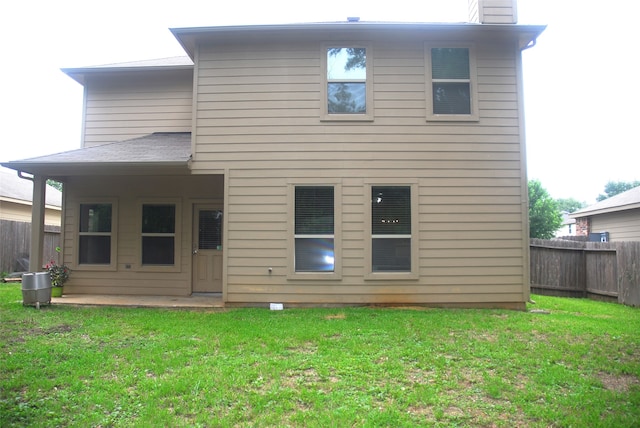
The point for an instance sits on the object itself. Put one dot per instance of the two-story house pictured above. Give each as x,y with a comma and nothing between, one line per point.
330,163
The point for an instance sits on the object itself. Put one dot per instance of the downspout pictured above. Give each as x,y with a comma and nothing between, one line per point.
37,221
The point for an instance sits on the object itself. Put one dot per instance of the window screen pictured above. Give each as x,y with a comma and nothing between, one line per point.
95,234
314,229
451,81
158,234
391,228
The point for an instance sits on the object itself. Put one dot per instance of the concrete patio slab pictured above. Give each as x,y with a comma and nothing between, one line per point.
201,301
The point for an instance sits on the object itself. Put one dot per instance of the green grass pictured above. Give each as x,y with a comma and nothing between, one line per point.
86,366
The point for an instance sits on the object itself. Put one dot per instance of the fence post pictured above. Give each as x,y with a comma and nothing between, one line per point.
628,270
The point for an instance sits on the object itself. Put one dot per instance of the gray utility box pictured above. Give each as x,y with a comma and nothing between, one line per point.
36,289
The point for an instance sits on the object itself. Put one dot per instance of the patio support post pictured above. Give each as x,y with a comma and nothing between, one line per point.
37,223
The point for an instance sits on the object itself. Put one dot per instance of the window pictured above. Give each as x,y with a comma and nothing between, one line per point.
314,238
210,229
95,234
451,83
391,229
158,234
347,88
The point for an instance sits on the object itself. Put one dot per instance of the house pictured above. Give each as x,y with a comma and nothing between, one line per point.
15,220
307,164
568,227
15,199
613,219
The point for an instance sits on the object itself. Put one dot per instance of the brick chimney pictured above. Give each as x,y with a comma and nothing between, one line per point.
493,11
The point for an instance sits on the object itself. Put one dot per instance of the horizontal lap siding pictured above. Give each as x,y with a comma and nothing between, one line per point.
622,226
258,117
131,106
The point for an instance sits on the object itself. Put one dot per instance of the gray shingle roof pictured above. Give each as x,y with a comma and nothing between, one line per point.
622,201
171,149
14,187
159,147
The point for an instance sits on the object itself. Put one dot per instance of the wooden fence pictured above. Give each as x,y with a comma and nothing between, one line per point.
15,242
609,271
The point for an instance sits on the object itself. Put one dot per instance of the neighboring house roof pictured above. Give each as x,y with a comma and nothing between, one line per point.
566,219
623,201
160,149
20,190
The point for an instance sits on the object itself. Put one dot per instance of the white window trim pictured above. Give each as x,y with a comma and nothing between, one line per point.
113,265
473,83
337,232
324,108
177,242
369,237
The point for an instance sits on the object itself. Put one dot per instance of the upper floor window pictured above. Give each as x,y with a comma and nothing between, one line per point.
95,234
451,83
348,85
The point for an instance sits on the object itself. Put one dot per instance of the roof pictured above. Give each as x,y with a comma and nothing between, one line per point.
623,201
190,36
20,190
160,149
160,64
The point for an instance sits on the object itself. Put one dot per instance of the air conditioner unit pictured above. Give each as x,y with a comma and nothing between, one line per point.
599,237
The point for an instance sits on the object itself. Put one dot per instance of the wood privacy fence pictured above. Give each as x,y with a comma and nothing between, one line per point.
597,270
15,242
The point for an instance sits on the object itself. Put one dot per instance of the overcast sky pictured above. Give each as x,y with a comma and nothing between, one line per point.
581,92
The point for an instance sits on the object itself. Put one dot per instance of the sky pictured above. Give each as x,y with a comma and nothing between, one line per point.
581,96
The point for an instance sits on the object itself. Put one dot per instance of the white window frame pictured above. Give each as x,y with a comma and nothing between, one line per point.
324,109
473,83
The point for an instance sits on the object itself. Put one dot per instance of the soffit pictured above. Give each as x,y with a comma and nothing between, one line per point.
190,37
175,64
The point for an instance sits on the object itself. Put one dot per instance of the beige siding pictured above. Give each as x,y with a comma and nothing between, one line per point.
493,11
258,117
18,211
127,106
622,226
129,277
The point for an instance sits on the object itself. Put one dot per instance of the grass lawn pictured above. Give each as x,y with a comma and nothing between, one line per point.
578,365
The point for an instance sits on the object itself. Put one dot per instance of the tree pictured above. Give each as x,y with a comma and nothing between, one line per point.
55,184
569,204
356,57
544,215
612,188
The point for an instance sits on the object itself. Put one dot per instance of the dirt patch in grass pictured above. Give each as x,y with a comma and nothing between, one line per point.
335,317
303,377
421,377
618,383
58,329
307,348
